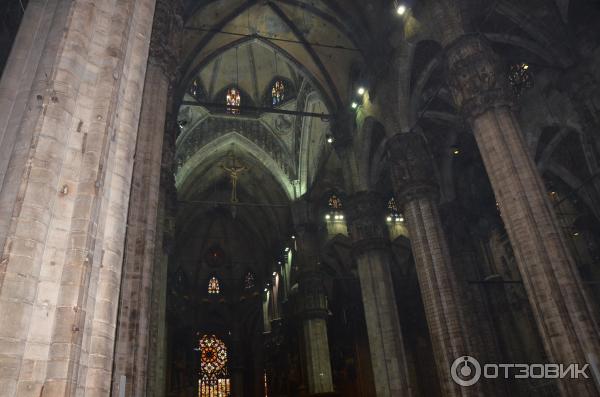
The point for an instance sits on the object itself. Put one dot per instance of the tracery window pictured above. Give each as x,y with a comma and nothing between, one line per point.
278,92
334,202
213,286
249,281
214,375
520,78
233,99
335,208
394,214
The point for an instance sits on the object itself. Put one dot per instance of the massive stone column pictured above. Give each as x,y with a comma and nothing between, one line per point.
133,332
312,307
566,323
312,303
365,214
64,196
417,193
18,81
236,362
165,235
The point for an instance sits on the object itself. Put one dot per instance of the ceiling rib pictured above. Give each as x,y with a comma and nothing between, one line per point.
311,52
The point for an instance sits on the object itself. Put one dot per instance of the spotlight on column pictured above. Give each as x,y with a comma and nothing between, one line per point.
401,9
330,138
327,217
361,91
354,105
389,219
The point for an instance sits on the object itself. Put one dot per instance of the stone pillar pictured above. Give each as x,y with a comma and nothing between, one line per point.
64,195
312,302
566,323
165,235
312,307
131,355
19,79
365,214
236,361
417,193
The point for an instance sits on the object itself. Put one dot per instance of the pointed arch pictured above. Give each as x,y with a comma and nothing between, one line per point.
217,148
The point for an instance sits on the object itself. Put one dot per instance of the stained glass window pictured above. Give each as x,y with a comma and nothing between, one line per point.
213,286
335,206
195,90
334,202
214,376
233,99
278,92
393,214
392,207
520,78
249,281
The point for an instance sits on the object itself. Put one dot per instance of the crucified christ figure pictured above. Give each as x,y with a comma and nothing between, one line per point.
234,172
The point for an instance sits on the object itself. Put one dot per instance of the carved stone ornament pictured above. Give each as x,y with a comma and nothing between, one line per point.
166,36
413,175
476,78
312,296
365,213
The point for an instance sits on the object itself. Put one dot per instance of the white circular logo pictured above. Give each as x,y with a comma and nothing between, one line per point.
465,371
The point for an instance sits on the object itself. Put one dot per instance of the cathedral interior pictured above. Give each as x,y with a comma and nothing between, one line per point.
288,198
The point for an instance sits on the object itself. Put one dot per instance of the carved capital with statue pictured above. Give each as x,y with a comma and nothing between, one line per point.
312,295
476,78
165,42
365,213
413,174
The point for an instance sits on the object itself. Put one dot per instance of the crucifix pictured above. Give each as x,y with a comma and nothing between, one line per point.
234,170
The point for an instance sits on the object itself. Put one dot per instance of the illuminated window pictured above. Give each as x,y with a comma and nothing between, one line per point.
278,92
249,281
520,78
233,99
195,90
214,376
335,209
334,202
213,286
393,214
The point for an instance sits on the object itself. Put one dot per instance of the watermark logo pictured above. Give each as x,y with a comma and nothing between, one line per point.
466,371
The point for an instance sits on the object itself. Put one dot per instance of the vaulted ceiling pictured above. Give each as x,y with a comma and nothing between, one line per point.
323,50
321,38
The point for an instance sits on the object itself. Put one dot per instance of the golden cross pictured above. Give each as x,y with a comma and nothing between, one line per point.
234,172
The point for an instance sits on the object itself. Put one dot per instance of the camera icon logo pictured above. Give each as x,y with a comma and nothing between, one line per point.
465,371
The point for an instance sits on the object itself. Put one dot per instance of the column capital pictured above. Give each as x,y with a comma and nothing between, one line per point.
476,78
413,175
365,212
303,215
312,296
165,40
